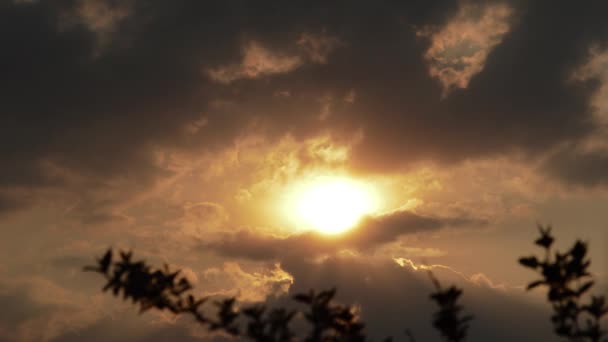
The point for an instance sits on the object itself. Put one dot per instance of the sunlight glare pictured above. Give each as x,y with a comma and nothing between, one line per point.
331,205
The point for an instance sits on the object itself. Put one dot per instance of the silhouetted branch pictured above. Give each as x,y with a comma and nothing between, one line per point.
330,322
447,320
166,290
567,278
565,275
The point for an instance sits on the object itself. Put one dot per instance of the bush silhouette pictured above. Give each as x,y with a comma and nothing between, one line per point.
165,290
452,327
564,274
567,278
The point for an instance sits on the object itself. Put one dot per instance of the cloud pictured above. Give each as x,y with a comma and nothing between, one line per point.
99,16
370,234
385,228
201,218
102,122
577,166
254,286
582,163
596,68
421,252
145,124
36,309
390,297
257,62
459,49
393,298
102,18
318,47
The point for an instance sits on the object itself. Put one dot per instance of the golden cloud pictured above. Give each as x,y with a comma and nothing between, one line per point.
257,61
459,50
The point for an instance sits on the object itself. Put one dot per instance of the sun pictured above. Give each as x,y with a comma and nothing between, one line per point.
331,205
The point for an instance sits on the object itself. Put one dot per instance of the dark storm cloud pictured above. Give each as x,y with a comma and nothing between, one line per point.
92,92
388,227
394,298
576,167
370,234
519,102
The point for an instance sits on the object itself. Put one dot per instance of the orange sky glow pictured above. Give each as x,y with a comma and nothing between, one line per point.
270,148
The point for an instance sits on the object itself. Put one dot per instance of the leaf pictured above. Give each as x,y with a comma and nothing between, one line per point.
545,240
530,262
105,261
586,286
126,256
535,284
579,250
302,297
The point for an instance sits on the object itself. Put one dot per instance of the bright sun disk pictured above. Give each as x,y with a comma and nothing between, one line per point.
331,205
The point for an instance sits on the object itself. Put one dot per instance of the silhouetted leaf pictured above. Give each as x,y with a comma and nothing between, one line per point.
106,260
562,274
531,262
585,287
545,240
535,284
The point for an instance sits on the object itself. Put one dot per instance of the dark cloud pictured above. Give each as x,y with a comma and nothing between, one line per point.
99,118
94,91
386,228
393,298
519,102
368,235
576,167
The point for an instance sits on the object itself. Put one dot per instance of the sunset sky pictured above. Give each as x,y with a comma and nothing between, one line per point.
269,147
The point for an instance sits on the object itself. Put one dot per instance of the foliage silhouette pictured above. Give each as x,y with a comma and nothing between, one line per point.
447,320
163,289
567,277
